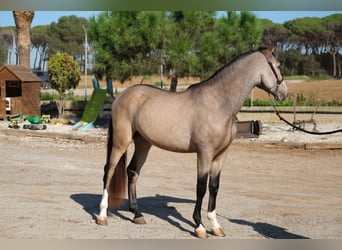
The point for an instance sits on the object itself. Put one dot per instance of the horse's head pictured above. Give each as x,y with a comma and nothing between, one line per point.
271,78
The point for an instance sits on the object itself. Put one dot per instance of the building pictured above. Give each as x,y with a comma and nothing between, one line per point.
19,91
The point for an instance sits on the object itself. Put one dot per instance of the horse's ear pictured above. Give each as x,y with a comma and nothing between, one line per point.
271,48
268,52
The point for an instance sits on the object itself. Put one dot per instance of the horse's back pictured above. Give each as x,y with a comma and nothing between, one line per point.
137,96
161,117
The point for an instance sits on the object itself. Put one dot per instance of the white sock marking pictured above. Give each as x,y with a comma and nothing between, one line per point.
212,219
104,204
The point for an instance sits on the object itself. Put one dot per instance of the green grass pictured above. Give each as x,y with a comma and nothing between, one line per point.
302,77
309,78
301,101
47,96
158,84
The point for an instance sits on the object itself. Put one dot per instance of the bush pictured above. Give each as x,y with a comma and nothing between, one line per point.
47,96
64,75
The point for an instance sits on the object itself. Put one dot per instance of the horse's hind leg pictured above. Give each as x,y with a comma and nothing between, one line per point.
142,147
117,157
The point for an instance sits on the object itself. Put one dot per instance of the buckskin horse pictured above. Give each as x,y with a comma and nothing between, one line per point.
201,120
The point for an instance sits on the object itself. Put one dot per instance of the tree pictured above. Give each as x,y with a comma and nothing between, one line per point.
23,20
274,33
64,75
318,37
307,33
238,33
125,43
67,36
333,39
184,51
191,43
39,41
7,42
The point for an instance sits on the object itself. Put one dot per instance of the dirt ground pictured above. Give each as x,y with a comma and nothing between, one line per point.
324,90
51,188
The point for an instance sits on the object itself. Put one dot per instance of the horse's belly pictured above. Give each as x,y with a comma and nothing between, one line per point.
166,135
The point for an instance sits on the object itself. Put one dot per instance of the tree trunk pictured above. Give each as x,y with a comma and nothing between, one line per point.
339,66
23,20
174,81
60,107
333,54
35,58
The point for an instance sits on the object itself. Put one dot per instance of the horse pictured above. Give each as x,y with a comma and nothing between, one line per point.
201,119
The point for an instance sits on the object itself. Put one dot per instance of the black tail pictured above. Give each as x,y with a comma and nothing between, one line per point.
109,141
117,187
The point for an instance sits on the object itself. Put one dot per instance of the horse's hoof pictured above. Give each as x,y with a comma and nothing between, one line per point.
101,221
200,232
218,232
139,220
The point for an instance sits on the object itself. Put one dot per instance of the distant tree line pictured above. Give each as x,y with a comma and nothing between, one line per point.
183,43
307,46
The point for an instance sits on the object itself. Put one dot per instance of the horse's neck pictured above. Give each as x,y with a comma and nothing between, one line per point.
234,83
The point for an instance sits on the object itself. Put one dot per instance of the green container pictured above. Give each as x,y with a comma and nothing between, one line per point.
34,119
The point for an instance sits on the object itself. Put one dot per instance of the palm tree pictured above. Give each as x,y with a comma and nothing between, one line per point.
23,20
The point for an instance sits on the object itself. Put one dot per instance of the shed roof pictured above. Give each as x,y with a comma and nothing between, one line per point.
22,73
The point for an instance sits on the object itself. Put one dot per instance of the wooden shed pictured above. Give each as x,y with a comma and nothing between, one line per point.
19,91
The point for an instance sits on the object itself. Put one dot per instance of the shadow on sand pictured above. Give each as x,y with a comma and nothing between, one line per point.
269,231
158,205
154,205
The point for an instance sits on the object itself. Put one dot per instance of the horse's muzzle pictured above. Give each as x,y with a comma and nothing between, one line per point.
282,91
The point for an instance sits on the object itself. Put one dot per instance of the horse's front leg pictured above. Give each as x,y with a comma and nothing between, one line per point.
203,166
214,183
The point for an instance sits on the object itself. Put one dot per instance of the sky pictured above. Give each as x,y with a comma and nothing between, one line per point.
47,17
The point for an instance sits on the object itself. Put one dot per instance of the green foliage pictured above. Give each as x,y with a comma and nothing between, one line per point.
305,43
159,85
39,41
301,100
126,44
210,51
63,72
183,53
64,75
48,96
189,43
274,33
67,36
295,63
238,33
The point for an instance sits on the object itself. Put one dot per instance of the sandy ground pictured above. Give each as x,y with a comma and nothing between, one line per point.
51,187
